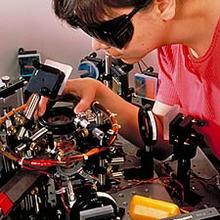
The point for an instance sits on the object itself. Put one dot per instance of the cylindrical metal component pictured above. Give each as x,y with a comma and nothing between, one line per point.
21,133
10,129
107,72
20,148
37,208
39,134
102,176
71,194
87,176
102,179
8,122
117,161
29,113
32,106
31,201
82,122
108,63
20,96
101,163
98,133
5,164
118,174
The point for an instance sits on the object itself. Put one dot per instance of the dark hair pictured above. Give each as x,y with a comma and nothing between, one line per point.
91,11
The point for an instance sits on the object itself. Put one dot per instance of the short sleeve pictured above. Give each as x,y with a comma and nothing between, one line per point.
166,92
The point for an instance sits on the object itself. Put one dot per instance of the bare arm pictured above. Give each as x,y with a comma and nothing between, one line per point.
127,114
164,114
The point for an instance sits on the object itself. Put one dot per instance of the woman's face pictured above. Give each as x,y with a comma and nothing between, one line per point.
148,34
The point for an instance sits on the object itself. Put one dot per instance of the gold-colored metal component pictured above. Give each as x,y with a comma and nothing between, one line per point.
33,146
84,132
94,187
19,119
60,155
35,191
11,130
2,146
109,170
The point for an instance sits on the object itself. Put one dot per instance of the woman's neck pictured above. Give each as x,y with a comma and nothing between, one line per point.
195,23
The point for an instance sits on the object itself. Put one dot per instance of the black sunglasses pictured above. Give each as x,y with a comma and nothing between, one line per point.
116,32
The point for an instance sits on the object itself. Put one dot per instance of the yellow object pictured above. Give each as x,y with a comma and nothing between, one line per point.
144,208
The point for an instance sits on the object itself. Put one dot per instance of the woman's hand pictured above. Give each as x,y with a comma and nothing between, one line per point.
85,88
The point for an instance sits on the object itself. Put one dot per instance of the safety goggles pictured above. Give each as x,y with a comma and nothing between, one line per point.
116,32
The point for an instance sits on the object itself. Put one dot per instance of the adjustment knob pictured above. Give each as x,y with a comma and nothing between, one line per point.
6,80
45,91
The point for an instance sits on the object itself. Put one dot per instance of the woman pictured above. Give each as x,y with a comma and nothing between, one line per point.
186,34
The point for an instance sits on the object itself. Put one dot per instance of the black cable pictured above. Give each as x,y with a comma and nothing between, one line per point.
145,64
140,68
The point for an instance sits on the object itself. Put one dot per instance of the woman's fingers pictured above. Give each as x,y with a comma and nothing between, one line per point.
85,102
42,106
85,89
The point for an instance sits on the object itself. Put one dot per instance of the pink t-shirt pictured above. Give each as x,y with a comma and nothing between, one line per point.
194,84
